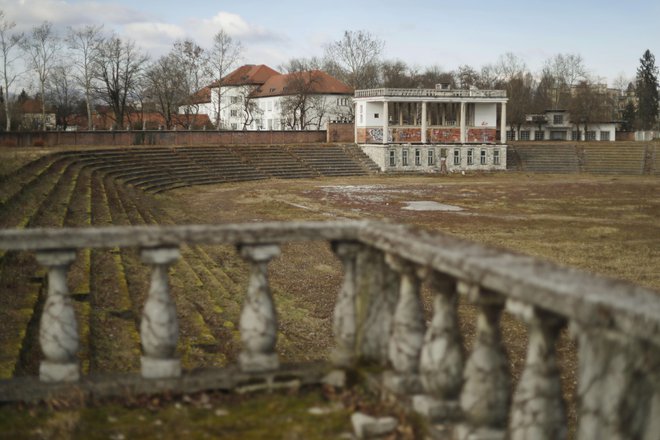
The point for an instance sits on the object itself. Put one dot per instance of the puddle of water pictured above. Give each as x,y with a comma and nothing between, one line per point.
425,205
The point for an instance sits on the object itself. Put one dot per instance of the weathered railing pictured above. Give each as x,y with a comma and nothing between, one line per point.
429,93
379,318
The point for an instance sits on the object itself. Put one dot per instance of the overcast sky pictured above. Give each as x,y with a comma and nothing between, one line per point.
610,35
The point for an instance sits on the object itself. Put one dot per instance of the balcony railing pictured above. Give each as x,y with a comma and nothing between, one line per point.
378,317
429,93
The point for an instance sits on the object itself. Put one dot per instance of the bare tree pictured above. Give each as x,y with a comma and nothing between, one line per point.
396,74
588,104
85,43
567,70
431,76
165,85
513,76
250,109
9,43
224,55
466,76
356,58
41,48
194,64
297,106
119,68
62,93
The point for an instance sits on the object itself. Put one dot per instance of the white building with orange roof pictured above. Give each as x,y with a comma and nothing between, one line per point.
256,97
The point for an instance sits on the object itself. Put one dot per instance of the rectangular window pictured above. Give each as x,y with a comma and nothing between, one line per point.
376,115
524,135
483,157
591,135
470,159
270,105
558,119
404,158
457,157
233,113
392,158
234,126
604,135
418,157
431,157
539,135
235,99
443,152
574,135
496,157
510,135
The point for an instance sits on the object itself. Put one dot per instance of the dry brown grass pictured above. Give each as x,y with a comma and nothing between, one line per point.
605,225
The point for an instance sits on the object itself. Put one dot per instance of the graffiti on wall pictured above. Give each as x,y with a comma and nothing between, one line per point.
407,134
375,135
445,135
484,135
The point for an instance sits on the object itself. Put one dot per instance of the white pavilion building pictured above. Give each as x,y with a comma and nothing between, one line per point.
432,129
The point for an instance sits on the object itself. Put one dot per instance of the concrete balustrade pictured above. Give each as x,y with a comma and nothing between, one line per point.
379,319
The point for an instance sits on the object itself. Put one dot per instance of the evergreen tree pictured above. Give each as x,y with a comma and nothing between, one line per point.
628,117
647,92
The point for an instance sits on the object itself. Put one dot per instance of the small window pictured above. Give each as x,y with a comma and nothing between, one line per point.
443,152
539,135
470,159
404,158
457,157
392,158
574,135
496,157
483,157
233,113
604,135
234,126
591,135
376,115
235,99
510,135
558,119
418,157
524,135
431,157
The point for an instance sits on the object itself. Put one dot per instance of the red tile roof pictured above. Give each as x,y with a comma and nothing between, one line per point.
319,81
248,74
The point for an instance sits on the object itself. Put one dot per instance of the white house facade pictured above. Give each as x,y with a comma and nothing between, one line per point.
260,98
556,125
432,130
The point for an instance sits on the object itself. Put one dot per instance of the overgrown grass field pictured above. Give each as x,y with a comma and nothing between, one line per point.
605,225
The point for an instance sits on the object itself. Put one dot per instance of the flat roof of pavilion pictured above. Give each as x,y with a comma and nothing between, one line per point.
386,94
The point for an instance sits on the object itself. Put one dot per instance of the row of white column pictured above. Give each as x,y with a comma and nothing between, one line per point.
463,139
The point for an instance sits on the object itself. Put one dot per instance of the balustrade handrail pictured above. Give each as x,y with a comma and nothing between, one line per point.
617,324
576,295
432,93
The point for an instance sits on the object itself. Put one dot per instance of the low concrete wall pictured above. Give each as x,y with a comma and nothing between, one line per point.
126,138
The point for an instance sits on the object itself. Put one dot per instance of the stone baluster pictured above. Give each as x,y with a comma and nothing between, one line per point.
258,322
376,298
614,394
58,332
344,324
159,329
407,334
441,361
485,396
538,408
